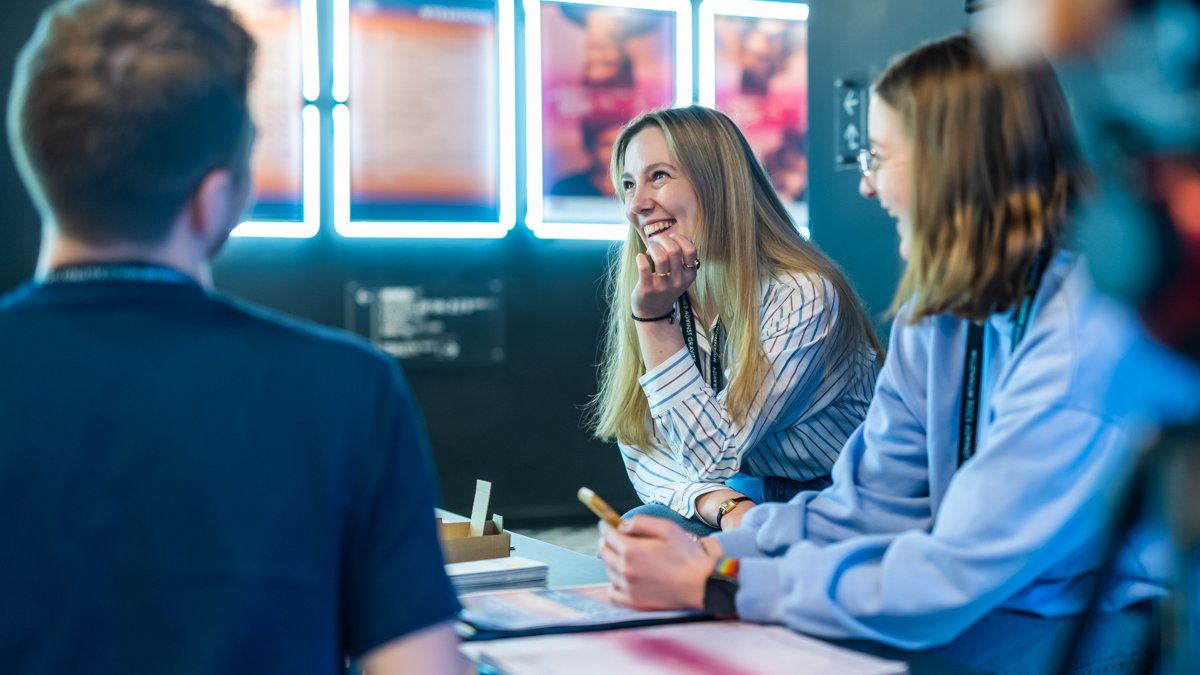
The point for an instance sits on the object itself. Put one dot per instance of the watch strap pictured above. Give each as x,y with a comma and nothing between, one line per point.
727,506
720,589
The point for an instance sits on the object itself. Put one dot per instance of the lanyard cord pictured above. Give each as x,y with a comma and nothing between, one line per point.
968,414
687,323
125,271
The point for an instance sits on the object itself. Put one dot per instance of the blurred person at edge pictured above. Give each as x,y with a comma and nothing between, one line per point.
190,484
976,536
1132,69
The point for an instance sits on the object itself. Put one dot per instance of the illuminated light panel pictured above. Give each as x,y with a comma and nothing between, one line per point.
533,110
310,49
757,9
413,230
507,217
311,152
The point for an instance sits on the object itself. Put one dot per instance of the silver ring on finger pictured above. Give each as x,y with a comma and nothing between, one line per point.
694,266
662,274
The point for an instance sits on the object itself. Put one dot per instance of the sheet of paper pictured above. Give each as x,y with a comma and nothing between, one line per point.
483,493
708,648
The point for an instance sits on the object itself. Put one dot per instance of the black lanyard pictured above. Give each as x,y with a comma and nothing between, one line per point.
125,271
968,413
687,322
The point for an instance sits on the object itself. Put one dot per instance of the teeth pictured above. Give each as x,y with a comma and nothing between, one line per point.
658,227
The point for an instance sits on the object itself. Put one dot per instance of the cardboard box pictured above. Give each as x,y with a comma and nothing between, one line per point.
459,546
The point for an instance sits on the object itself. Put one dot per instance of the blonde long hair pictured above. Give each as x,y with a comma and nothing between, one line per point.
744,235
995,164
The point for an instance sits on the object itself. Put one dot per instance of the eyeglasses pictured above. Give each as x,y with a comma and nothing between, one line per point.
868,162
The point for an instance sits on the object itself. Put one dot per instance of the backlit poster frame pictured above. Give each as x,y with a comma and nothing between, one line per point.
259,223
505,152
602,219
772,138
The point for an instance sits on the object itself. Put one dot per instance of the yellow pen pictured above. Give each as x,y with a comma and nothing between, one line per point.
598,506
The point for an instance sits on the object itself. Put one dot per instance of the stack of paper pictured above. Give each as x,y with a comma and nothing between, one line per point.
478,575
709,648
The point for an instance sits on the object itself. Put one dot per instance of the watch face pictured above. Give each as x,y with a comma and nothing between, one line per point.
720,597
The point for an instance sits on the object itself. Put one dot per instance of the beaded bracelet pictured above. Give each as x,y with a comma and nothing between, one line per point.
669,316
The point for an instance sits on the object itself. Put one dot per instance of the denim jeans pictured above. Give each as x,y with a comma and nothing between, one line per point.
1008,642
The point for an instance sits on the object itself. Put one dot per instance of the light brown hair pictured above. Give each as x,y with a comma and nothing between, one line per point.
995,165
744,235
119,108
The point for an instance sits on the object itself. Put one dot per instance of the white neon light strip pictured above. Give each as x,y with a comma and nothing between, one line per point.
311,152
309,50
506,27
757,9
341,167
341,51
533,115
533,109
507,115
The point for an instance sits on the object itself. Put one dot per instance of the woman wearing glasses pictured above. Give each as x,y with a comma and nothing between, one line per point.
738,359
970,506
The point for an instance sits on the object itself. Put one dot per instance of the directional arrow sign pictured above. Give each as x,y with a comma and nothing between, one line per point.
851,136
850,103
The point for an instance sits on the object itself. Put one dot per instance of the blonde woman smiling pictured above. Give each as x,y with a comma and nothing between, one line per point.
738,359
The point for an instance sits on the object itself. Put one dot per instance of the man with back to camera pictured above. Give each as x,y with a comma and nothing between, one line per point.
188,484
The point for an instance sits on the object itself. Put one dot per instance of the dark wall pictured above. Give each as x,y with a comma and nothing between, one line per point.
19,236
518,424
855,39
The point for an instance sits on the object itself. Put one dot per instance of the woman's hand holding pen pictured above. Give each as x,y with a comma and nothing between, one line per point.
666,271
654,564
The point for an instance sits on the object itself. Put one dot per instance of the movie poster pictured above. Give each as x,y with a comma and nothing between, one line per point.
276,102
762,83
601,66
424,112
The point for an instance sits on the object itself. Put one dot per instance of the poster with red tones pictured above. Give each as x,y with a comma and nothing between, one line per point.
601,66
762,83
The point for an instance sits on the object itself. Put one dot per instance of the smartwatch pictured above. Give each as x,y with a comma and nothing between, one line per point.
727,506
720,590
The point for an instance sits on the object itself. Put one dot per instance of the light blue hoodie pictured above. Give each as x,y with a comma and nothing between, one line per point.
909,549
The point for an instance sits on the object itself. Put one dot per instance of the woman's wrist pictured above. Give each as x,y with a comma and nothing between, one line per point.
669,317
708,503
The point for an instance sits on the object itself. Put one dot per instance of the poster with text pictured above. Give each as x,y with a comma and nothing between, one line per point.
762,83
276,103
424,111
601,66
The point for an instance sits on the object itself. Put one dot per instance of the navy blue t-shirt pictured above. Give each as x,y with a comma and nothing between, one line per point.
192,485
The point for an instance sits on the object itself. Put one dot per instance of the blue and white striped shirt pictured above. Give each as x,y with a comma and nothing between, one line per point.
796,425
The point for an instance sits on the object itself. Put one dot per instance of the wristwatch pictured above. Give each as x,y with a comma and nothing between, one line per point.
727,506
720,590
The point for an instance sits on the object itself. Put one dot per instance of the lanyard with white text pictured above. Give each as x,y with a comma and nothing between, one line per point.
687,322
126,271
968,413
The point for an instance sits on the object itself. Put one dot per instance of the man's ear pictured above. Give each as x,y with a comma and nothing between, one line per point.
213,207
